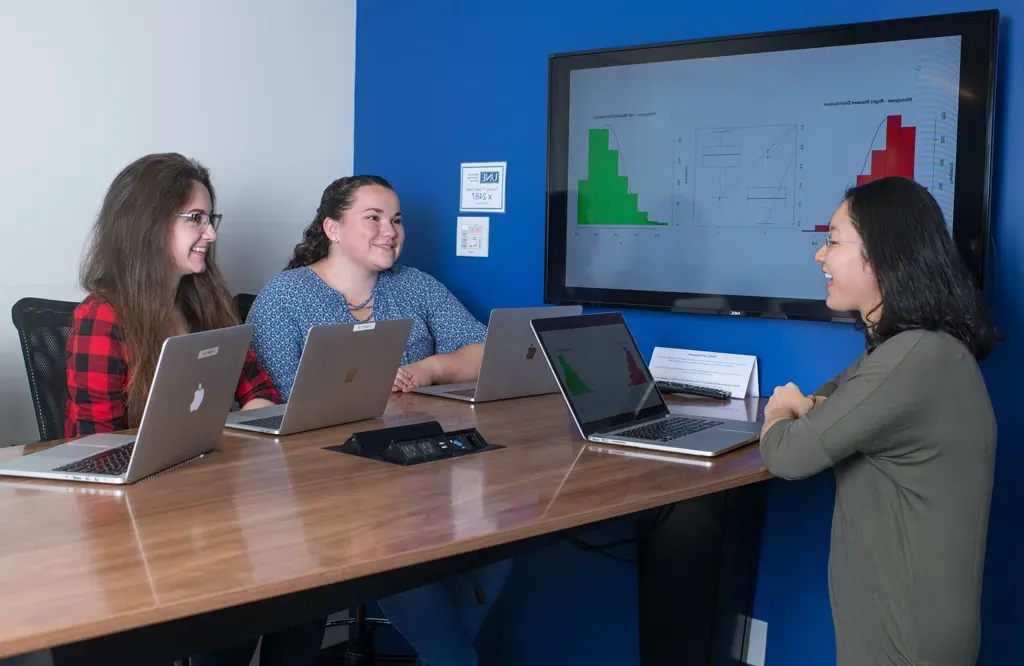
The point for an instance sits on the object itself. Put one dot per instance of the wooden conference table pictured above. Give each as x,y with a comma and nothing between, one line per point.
266,532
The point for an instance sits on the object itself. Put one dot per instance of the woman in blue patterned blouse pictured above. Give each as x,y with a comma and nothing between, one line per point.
344,270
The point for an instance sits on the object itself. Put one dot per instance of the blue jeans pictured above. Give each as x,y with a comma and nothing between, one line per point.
441,620
294,646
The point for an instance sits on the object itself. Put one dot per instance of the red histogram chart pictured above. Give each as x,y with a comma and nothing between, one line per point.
897,158
636,375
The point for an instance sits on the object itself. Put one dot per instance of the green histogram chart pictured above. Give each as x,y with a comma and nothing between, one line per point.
604,196
572,380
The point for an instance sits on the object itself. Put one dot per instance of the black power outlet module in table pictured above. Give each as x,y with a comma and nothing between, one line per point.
414,444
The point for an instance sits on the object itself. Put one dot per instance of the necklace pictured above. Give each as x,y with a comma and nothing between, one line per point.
353,306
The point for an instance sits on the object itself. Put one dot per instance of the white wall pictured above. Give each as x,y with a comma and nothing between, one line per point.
260,91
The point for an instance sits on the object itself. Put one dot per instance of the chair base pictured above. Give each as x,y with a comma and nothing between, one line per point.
347,654
358,649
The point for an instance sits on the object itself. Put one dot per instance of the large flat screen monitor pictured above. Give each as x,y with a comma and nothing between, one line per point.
700,176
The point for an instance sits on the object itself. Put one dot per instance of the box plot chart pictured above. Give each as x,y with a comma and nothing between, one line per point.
745,176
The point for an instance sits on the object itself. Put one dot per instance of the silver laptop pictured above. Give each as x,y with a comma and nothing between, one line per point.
345,374
192,391
614,399
509,367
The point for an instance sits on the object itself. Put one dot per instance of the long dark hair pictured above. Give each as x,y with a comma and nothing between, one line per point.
129,264
337,199
922,278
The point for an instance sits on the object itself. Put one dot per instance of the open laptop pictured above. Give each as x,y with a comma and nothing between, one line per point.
191,393
345,374
509,367
613,397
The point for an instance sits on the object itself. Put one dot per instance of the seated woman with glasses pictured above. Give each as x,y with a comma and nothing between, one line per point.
150,273
908,430
345,271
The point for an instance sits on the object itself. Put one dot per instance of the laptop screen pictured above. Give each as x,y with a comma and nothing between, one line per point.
603,377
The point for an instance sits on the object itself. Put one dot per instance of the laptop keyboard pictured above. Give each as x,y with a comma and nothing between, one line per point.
269,422
466,393
669,429
113,462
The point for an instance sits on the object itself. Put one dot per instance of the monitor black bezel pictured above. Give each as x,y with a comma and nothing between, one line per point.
972,199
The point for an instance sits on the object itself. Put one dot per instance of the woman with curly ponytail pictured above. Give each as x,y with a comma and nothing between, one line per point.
345,270
336,198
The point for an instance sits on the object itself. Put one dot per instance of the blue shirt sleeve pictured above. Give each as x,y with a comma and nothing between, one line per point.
277,337
450,323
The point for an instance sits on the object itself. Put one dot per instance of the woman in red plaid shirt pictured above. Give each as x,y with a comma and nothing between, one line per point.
150,273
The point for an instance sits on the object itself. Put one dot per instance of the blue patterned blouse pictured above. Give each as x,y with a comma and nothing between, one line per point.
295,300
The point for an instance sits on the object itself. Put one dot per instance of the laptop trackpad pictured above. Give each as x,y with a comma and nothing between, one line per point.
83,448
92,444
254,414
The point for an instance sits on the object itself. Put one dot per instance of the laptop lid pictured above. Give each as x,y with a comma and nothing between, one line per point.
192,391
345,373
510,366
600,371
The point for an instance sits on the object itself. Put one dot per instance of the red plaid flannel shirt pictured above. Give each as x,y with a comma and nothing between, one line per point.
97,372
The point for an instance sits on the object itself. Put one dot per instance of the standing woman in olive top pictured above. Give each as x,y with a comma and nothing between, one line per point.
908,430
150,274
345,271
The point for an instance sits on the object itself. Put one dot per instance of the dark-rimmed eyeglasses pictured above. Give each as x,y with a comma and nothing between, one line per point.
202,220
829,242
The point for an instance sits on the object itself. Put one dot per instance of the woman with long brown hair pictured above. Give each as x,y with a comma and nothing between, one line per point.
150,273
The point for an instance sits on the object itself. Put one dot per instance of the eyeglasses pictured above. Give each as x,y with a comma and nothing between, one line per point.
201,220
829,242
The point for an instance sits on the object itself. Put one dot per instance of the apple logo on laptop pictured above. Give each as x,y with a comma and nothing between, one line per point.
197,398
531,351
351,375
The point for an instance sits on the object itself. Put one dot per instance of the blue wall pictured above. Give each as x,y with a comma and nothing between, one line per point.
442,82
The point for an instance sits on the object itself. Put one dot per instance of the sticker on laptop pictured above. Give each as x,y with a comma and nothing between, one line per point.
364,327
207,353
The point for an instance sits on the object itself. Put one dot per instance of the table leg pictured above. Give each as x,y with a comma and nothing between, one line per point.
697,575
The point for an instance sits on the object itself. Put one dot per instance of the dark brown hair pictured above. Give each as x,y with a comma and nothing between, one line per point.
129,264
923,279
337,199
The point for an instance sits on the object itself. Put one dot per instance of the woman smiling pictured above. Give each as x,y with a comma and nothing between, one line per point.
908,430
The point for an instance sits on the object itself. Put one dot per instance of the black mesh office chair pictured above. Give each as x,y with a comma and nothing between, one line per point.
242,304
43,328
